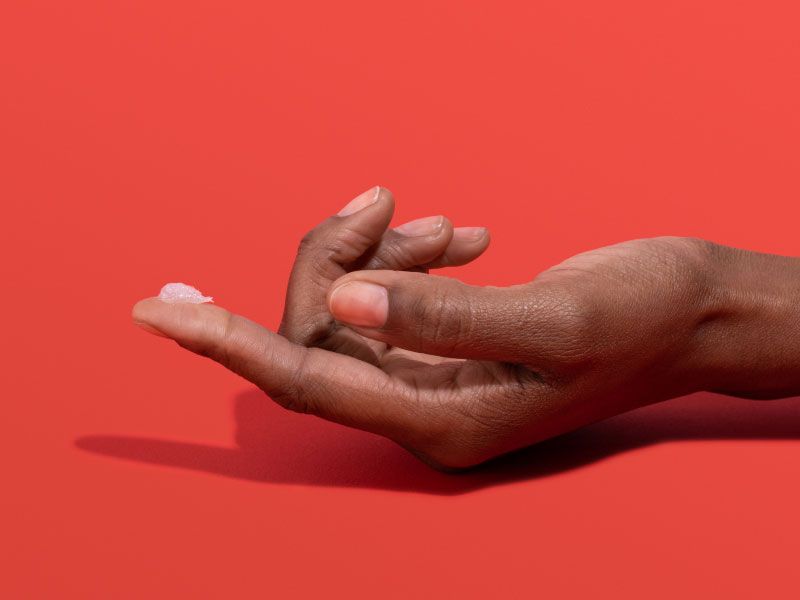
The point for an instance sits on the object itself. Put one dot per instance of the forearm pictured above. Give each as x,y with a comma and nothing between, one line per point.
748,343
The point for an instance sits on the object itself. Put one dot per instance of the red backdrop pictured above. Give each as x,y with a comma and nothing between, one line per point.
146,142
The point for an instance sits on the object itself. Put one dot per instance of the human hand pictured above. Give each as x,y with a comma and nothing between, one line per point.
341,245
458,374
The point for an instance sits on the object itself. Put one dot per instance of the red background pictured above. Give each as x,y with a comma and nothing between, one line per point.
146,142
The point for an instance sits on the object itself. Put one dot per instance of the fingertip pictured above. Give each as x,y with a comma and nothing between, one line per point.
140,309
178,321
425,227
477,241
359,303
384,198
139,315
385,193
471,235
374,196
467,244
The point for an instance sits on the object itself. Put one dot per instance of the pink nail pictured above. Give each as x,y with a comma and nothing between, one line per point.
420,227
469,234
360,303
361,201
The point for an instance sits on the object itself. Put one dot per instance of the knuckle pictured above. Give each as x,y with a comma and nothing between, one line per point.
316,245
443,318
333,244
698,265
291,399
221,342
308,242
392,255
685,265
575,314
567,310
566,321
696,245
229,347
293,395
324,240
319,254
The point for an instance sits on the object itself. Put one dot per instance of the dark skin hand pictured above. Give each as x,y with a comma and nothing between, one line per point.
459,374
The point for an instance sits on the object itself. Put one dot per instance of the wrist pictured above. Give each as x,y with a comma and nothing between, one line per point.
747,341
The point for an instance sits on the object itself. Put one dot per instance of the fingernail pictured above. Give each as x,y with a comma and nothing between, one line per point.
420,227
361,201
360,303
469,234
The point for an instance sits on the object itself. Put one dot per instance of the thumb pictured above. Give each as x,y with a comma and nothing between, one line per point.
436,315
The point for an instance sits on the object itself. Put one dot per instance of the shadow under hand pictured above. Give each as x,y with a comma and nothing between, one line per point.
274,445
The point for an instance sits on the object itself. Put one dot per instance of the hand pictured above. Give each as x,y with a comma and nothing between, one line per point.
340,245
459,374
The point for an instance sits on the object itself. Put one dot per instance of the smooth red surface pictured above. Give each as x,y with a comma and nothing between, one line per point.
146,142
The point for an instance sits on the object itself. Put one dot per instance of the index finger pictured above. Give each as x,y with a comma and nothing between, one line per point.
311,380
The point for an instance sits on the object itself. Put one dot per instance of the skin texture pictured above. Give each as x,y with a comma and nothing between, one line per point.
459,374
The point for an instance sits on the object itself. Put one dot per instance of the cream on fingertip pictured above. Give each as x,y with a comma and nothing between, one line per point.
176,293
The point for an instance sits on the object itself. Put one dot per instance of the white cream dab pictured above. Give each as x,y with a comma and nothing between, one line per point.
174,293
